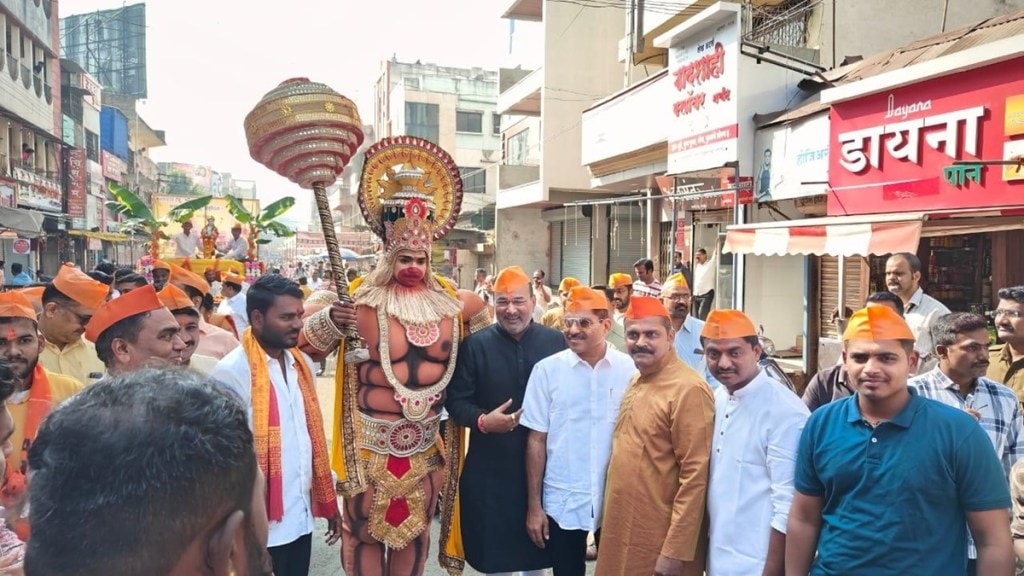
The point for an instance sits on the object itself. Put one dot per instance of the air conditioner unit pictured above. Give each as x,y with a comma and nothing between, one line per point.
487,155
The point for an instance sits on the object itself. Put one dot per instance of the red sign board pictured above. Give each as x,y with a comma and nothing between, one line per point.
77,172
21,246
113,167
894,151
745,194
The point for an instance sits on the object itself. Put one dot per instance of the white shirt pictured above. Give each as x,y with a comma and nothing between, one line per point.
704,275
315,284
237,248
576,406
753,456
641,288
235,307
296,449
921,314
186,246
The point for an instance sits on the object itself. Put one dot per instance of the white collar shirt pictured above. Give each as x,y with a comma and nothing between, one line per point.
296,448
704,275
921,314
576,405
235,306
753,457
238,248
185,245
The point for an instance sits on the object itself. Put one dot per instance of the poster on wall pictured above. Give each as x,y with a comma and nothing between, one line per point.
8,193
77,177
791,159
37,192
704,75
924,146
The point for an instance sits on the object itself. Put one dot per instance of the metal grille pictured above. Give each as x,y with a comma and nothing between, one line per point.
784,24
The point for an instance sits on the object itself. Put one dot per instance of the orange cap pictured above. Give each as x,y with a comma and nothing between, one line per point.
585,298
138,301
618,280
174,298
185,277
568,283
722,324
232,278
77,286
877,323
16,305
676,279
510,279
161,265
641,307
34,295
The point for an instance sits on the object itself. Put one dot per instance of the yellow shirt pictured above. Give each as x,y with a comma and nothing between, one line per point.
306,291
1004,370
61,388
77,360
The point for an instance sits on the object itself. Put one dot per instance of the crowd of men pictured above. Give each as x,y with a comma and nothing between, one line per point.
143,438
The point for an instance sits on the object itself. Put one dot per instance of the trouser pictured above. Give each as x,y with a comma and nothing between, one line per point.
292,559
567,549
522,573
704,302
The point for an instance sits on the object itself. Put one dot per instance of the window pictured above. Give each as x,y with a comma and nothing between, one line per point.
421,120
412,83
92,146
496,123
469,122
474,180
518,148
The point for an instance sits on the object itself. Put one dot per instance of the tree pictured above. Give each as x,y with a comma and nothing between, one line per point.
262,223
139,219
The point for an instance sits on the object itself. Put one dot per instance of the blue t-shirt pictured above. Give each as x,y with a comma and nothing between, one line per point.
896,496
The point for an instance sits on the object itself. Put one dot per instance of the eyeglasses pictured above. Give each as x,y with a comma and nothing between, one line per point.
583,323
82,319
1010,313
679,297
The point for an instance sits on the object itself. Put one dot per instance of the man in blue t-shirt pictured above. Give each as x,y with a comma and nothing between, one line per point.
887,481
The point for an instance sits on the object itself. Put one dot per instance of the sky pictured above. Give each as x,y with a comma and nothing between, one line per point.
210,61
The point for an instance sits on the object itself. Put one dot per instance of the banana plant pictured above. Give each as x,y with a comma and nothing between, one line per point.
263,223
137,218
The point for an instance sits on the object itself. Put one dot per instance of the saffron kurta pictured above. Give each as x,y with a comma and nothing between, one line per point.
492,368
658,474
62,387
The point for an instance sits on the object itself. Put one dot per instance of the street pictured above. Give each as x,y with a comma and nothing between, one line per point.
327,560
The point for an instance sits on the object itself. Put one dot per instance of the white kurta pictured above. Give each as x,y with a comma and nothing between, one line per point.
577,406
186,246
753,456
235,307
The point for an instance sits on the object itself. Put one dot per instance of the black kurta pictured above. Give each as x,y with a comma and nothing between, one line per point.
492,368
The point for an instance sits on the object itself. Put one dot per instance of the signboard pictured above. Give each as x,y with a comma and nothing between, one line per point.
704,76
21,246
8,194
604,132
34,191
791,159
93,218
894,151
113,167
93,87
217,209
77,181
745,194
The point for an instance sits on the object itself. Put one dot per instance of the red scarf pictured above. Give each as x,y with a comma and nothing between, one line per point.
40,404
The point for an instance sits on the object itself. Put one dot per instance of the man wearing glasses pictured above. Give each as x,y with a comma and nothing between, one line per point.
1006,363
572,400
676,296
68,304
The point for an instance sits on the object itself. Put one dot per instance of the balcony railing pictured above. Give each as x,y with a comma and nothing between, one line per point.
785,24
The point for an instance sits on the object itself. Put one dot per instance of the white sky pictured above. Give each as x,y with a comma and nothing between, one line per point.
210,61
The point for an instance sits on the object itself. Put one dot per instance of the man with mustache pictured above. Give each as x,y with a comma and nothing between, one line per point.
150,472
887,482
961,344
1006,363
903,278
486,396
661,448
622,289
136,331
676,296
757,429
572,400
180,305
68,304
275,382
214,342
37,392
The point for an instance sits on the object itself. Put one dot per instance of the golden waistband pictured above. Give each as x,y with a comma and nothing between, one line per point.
399,438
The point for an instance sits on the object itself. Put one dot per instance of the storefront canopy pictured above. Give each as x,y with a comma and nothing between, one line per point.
25,223
864,235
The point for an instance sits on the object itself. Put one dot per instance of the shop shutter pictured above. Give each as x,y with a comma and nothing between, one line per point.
555,273
828,281
626,230
576,249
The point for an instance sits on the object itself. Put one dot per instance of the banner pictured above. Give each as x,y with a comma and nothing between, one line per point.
77,172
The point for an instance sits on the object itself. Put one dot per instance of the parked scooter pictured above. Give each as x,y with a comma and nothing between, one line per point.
767,361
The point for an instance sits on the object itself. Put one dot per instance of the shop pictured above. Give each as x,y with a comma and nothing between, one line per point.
571,242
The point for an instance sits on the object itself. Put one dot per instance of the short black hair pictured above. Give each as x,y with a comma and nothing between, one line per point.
1015,293
126,329
191,292
100,277
303,281
948,326
265,290
912,260
16,268
646,263
52,294
182,452
608,292
702,251
885,296
187,311
208,303
107,268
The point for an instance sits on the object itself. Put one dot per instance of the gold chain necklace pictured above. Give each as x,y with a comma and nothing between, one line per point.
415,404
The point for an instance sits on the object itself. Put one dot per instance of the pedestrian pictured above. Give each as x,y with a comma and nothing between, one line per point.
541,291
12,548
1006,362
68,304
903,278
274,381
185,313
961,345
214,341
758,422
553,317
705,274
150,472
19,277
233,303
136,331
887,482
676,296
486,395
616,336
161,274
646,283
572,400
622,291
654,517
